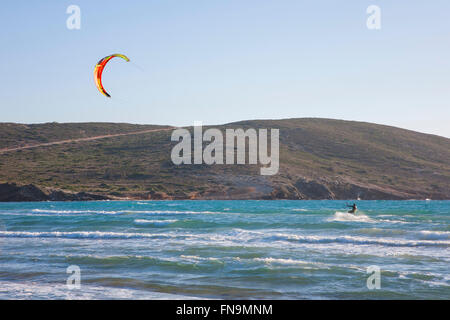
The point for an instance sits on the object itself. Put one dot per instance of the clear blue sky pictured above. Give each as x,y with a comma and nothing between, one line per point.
219,61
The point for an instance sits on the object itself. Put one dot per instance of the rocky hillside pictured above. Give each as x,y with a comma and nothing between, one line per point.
319,159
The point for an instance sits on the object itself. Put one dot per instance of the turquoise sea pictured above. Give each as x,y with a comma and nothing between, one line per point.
225,249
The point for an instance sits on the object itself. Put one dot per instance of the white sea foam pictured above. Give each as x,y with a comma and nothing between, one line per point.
305,264
35,290
176,212
429,278
359,217
362,240
435,235
155,222
125,211
90,235
233,237
345,216
197,258
75,211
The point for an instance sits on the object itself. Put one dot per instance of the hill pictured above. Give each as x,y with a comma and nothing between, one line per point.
319,159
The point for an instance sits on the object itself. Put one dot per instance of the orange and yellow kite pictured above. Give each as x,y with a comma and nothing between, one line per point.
99,70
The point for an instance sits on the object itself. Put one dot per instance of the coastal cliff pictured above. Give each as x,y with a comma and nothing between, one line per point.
10,192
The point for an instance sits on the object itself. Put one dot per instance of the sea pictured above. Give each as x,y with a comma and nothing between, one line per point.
225,250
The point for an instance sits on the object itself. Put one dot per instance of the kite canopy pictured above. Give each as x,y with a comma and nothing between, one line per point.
99,70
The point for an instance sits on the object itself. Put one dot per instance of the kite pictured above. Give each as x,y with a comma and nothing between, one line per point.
99,70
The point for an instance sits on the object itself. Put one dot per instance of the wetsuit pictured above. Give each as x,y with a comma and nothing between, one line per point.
354,208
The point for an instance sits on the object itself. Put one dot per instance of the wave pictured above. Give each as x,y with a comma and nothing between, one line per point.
360,240
381,232
197,258
434,235
236,236
152,203
76,211
312,265
125,211
38,290
345,216
89,235
359,217
154,222
243,237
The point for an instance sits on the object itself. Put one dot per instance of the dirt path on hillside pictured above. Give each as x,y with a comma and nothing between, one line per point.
4,150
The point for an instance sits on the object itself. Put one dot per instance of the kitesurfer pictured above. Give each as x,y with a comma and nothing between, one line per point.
354,208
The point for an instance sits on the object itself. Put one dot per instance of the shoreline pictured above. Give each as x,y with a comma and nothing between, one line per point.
11,192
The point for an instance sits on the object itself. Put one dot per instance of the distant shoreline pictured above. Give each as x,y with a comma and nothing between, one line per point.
10,192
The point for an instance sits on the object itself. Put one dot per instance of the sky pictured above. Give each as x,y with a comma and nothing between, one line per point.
219,61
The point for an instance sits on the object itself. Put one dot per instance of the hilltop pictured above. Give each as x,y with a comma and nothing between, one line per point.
319,159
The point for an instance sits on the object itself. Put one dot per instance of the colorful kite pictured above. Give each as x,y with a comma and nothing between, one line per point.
99,70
